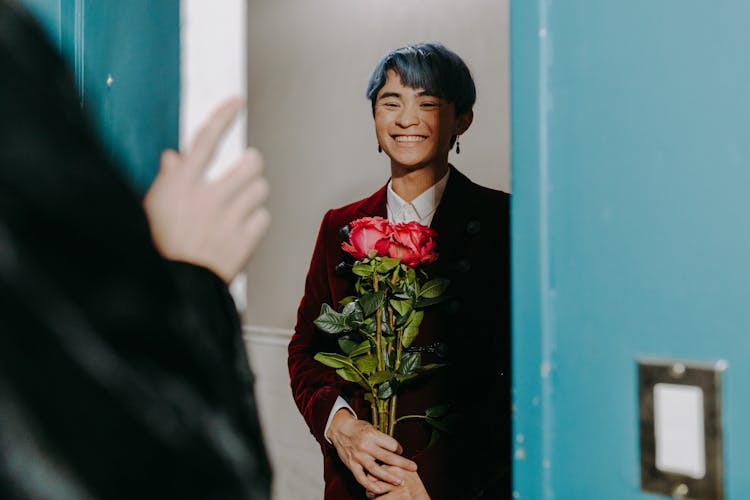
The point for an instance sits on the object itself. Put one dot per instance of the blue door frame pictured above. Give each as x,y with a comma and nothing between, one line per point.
126,60
631,228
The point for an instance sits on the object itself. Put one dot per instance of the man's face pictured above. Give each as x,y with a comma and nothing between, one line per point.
415,128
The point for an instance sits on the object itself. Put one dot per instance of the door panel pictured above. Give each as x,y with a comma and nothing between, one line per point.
125,56
631,232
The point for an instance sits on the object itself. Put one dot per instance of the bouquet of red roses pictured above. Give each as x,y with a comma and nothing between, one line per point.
378,324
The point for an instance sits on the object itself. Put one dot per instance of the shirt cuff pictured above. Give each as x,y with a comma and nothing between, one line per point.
340,403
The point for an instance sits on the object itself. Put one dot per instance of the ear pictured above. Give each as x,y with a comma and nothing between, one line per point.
463,122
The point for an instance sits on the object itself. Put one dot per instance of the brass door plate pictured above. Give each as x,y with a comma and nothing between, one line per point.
663,386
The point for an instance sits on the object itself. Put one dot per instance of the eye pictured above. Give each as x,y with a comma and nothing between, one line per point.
430,105
390,104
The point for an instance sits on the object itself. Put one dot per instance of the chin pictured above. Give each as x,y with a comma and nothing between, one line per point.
409,167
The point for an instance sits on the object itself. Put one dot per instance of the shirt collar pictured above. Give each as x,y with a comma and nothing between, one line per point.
423,206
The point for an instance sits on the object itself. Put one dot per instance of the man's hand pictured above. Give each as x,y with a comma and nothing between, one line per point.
213,223
411,487
368,452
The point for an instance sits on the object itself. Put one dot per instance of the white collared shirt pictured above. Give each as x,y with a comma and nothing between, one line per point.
421,209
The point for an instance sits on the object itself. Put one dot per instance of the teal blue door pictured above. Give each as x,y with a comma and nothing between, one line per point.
631,229
125,56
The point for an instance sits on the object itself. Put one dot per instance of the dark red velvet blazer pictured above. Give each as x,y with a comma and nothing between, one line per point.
471,331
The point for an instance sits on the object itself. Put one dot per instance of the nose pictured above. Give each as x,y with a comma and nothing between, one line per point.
407,116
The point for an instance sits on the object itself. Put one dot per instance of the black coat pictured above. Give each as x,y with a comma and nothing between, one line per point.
122,375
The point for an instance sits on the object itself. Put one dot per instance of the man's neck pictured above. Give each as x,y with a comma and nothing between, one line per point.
408,184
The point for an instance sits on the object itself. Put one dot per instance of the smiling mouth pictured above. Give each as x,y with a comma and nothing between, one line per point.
410,138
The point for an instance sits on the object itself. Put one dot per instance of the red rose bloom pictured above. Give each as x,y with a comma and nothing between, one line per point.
366,234
413,243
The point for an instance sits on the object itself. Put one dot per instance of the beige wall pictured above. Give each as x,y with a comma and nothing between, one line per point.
308,67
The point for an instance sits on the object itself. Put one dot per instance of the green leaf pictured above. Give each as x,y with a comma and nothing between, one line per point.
410,333
347,299
401,321
367,364
434,288
347,345
362,269
385,328
415,319
403,378
432,366
437,411
369,326
437,424
385,390
370,302
422,371
411,275
410,361
333,360
422,303
379,377
352,315
402,307
330,321
361,349
386,264
349,308
350,374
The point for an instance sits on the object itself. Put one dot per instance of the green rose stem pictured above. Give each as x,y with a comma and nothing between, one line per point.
378,325
382,410
397,364
374,397
407,417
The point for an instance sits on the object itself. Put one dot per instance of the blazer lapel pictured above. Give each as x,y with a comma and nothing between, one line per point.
452,215
375,205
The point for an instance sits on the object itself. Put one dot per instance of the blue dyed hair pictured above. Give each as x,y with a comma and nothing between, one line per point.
430,66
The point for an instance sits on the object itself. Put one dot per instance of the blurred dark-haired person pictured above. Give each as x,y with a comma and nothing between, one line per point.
422,98
122,369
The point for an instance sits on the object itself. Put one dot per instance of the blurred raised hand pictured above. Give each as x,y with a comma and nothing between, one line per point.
215,223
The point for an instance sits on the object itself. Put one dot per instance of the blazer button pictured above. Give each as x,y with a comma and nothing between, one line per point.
473,227
344,231
342,268
463,265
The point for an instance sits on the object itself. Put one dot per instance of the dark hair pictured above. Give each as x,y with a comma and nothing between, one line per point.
430,66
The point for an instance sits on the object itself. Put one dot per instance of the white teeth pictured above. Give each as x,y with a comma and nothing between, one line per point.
409,138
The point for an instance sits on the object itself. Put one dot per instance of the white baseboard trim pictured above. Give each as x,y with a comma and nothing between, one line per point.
268,335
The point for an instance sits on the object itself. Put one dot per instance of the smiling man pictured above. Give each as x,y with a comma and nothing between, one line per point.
422,98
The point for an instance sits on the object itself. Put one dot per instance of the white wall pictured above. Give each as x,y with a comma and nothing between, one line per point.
213,67
308,67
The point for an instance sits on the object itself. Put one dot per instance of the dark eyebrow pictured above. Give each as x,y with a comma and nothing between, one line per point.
386,95
421,93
